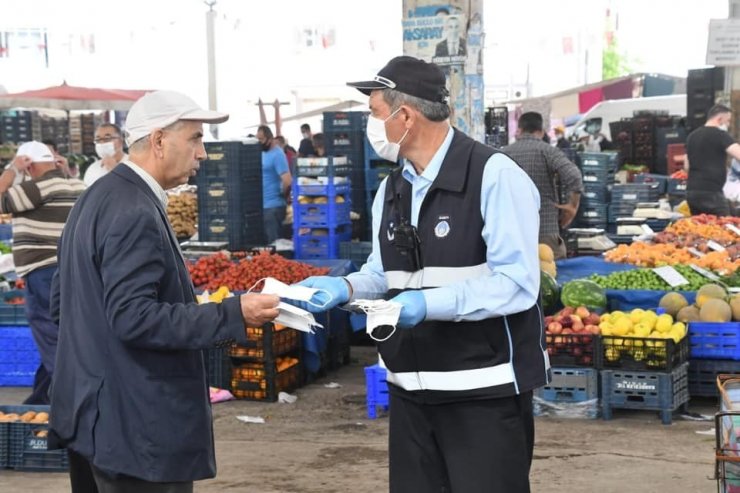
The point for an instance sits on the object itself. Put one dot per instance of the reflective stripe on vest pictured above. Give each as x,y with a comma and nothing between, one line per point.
434,277
478,378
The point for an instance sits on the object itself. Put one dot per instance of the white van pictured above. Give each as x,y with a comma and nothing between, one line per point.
597,119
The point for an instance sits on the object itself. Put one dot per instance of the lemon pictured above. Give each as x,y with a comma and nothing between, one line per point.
638,354
680,328
664,324
606,328
617,315
612,354
622,326
636,315
605,318
641,330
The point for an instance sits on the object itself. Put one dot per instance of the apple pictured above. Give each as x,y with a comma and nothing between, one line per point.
578,326
593,319
590,329
576,318
567,311
549,319
582,312
595,329
566,322
567,330
555,328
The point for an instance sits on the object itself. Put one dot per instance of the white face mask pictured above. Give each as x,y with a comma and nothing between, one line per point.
107,149
724,127
378,138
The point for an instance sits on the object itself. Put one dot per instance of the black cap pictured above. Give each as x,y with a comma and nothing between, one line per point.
410,76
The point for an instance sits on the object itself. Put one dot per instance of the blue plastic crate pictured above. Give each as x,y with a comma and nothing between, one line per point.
634,193
592,211
597,177
232,161
377,390
658,182
595,193
345,120
651,391
331,214
703,375
608,161
19,357
6,232
345,143
676,186
330,166
329,190
715,340
240,231
310,245
376,174
571,385
21,449
620,210
356,251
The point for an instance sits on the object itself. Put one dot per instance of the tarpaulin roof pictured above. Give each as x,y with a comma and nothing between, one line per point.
70,98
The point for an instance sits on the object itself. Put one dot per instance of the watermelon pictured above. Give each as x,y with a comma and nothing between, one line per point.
583,292
550,293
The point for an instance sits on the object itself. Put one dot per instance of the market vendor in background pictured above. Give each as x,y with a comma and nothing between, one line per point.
40,207
550,170
561,141
468,349
109,147
276,181
707,150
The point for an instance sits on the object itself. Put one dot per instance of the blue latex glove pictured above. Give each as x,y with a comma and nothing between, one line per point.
335,292
414,309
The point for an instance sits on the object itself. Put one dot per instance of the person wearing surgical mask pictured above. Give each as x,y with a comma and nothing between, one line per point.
109,148
707,150
455,252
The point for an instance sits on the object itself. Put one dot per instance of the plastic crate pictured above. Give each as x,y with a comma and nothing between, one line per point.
266,344
597,177
377,390
374,176
240,231
21,449
345,120
218,367
331,214
634,193
644,390
328,190
6,232
356,251
676,186
620,210
608,161
232,161
262,381
572,349
703,375
345,144
338,343
715,340
595,193
588,210
641,353
659,182
571,385
19,357
314,246
322,166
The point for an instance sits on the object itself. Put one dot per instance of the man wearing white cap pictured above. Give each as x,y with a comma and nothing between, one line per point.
40,207
130,398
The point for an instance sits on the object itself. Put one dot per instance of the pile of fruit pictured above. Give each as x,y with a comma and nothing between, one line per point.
547,260
307,199
583,292
648,280
656,255
707,226
32,417
569,335
217,270
713,304
182,211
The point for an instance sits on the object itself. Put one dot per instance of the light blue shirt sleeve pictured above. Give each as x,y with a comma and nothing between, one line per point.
510,206
369,283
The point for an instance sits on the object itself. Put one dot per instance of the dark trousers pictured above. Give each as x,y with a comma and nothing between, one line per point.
273,219
708,203
482,446
86,478
45,332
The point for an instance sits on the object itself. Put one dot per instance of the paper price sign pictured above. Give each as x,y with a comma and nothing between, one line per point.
715,246
696,253
733,228
709,275
671,276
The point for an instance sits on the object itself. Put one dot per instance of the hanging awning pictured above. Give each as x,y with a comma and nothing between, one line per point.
71,98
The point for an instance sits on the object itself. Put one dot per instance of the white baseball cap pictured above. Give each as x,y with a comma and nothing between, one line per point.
158,109
38,152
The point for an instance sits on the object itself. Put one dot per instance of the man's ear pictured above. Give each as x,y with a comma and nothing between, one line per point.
156,142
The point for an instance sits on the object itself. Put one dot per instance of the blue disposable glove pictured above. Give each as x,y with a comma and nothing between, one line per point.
414,308
334,291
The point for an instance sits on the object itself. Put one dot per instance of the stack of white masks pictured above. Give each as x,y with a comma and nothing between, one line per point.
292,316
380,313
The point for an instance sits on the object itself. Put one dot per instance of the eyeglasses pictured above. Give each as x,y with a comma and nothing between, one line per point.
107,138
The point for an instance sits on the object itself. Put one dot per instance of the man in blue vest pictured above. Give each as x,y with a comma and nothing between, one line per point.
455,234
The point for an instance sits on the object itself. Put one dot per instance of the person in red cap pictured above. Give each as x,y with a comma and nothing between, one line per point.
40,206
130,398
455,248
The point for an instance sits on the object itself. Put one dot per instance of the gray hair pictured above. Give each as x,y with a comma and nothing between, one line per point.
142,144
435,112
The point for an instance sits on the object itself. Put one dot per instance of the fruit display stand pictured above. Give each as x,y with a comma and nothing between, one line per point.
23,440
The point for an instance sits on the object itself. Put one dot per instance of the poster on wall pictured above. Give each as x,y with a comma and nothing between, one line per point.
445,34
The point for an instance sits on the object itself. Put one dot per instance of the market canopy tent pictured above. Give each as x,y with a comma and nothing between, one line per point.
72,98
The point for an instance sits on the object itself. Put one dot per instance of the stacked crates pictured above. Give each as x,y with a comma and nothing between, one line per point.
19,357
24,444
377,390
573,392
344,135
322,201
268,364
56,129
82,133
715,349
230,195
643,373
19,126
376,170
597,169
624,198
